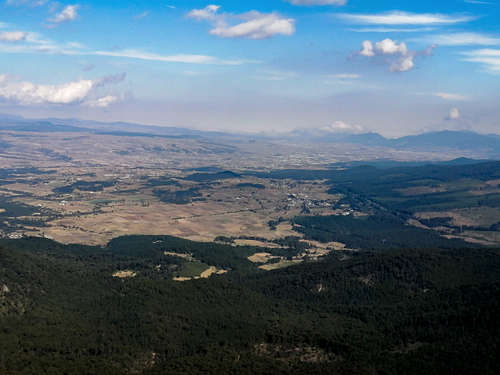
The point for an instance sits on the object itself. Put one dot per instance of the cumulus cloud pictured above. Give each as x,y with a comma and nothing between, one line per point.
342,127
13,36
249,25
390,47
28,93
367,49
454,114
401,59
69,13
404,18
317,2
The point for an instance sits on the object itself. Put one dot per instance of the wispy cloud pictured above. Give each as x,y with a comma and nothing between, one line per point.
34,43
142,15
345,76
450,96
31,3
344,79
405,18
69,13
317,2
180,58
461,39
13,36
249,25
488,58
29,42
392,30
277,75
480,2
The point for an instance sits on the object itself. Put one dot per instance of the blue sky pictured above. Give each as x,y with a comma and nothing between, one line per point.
396,67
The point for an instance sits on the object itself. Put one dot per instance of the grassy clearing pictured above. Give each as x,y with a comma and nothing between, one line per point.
192,269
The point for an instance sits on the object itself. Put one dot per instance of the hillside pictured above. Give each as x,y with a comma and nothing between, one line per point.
411,312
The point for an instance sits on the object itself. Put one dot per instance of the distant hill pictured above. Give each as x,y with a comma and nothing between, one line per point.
465,140
487,145
389,163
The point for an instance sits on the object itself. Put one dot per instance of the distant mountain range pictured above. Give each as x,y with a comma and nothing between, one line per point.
487,145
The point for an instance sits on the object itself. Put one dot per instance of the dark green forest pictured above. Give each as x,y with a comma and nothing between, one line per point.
403,300
406,311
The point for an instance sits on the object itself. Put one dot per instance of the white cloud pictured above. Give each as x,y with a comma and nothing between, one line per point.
390,47
462,39
277,75
257,26
478,2
342,127
28,93
31,3
103,102
402,59
344,79
391,30
181,58
142,15
404,18
367,49
487,57
250,25
13,36
317,2
454,114
34,43
69,13
403,65
345,76
450,96
207,13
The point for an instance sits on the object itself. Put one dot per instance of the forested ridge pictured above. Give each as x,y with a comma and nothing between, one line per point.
407,311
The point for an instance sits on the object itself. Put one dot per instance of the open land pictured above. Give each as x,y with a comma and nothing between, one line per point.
90,188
